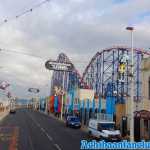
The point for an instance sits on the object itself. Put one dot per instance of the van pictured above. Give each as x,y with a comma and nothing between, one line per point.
104,130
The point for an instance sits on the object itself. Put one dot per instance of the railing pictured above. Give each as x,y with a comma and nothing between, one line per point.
104,117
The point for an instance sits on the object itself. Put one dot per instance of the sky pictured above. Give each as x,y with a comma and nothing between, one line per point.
78,28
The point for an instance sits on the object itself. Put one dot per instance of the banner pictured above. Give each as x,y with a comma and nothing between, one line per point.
87,104
99,105
82,104
79,104
51,104
56,104
42,104
93,106
59,104
71,96
110,105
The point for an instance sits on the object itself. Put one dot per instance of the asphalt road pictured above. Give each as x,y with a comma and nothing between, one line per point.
30,130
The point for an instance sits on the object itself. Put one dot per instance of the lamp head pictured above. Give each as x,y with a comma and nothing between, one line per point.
130,28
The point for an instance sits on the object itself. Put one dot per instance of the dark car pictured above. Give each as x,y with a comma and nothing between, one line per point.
73,121
12,111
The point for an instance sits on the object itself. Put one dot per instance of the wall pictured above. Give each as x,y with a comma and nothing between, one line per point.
84,94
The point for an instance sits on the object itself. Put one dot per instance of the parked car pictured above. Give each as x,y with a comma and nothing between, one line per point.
12,111
12,108
73,121
104,130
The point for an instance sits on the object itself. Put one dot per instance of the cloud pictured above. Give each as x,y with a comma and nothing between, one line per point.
75,27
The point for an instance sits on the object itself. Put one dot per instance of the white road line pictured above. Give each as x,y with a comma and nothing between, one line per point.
57,146
44,131
38,124
30,141
49,137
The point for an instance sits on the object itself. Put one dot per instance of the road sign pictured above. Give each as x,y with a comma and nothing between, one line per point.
33,90
9,95
57,66
4,85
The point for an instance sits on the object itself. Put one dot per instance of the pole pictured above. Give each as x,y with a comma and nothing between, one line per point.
131,29
62,99
46,100
132,92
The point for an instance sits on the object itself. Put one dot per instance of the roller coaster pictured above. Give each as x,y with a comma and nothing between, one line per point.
102,74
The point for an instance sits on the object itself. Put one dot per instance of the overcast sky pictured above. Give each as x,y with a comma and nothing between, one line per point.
78,28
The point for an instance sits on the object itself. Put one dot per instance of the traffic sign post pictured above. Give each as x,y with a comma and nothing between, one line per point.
35,91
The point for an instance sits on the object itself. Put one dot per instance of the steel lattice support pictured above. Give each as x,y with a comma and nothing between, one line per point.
103,71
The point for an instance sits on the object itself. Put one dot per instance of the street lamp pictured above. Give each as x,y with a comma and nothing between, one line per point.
35,91
131,29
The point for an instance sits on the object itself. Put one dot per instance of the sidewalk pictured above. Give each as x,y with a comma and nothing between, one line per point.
3,114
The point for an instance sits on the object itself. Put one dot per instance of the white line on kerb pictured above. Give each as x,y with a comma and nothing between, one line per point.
57,146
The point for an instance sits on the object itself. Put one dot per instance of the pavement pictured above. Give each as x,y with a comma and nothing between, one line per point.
32,130
3,114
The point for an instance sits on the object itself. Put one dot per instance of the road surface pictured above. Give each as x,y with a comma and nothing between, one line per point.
30,130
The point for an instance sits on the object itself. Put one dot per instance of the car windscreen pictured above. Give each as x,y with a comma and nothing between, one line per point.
74,119
105,126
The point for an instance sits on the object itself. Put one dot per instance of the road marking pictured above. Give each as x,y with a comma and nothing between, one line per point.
13,142
57,146
49,137
42,130
30,141
38,124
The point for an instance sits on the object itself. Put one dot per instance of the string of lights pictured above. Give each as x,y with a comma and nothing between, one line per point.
32,55
20,52
23,13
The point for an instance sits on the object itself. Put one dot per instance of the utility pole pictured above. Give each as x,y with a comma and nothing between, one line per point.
131,29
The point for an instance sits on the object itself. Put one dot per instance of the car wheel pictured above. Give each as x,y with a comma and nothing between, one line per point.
90,134
101,138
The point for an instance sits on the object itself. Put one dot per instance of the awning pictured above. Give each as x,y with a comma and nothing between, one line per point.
142,114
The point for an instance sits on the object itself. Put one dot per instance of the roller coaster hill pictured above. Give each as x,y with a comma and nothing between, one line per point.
108,74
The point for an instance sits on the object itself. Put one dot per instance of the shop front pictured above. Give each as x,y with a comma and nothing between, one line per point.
142,125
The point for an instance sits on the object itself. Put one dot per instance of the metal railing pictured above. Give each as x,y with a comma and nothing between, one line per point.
104,117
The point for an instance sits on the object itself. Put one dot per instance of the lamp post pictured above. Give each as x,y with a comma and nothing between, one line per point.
131,29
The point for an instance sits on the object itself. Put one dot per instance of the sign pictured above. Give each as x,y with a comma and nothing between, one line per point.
57,66
4,85
33,90
9,95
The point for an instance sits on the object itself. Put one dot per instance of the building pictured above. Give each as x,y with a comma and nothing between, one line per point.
141,108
